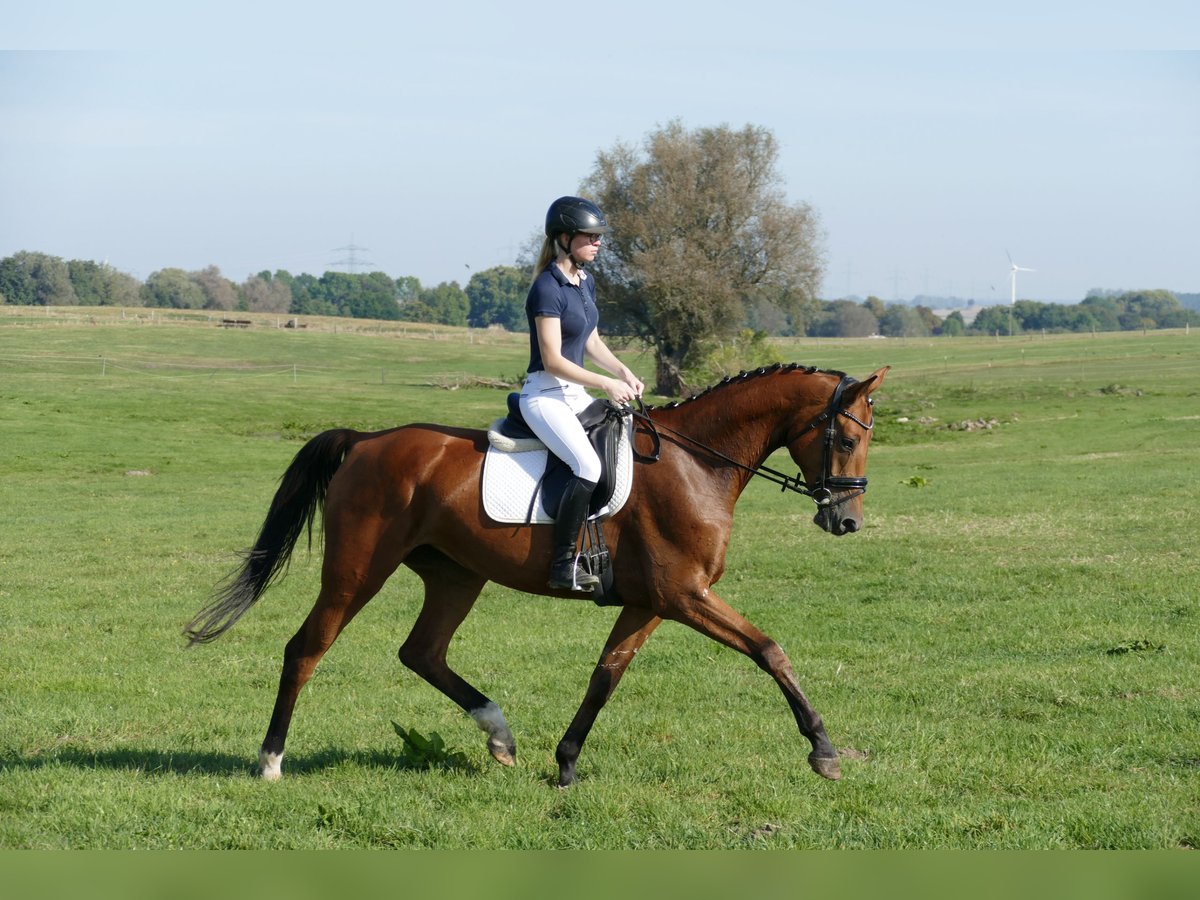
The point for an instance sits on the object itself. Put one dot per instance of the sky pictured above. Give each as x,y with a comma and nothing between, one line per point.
934,140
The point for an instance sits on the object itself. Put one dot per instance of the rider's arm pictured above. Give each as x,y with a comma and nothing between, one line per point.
549,335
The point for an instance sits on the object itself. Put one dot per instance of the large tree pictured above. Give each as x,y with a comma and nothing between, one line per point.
702,232
497,297
219,291
36,279
172,288
264,293
99,284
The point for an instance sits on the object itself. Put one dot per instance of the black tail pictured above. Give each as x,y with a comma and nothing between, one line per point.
301,493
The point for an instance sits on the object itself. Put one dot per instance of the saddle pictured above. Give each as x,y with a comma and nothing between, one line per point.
518,469
608,427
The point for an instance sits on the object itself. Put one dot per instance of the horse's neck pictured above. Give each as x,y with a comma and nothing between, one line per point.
746,419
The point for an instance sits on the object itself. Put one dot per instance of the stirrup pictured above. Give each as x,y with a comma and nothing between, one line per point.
580,580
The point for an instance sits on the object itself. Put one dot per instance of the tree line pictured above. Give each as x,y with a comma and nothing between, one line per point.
496,297
490,298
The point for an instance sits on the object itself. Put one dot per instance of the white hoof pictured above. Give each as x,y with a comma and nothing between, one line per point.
270,765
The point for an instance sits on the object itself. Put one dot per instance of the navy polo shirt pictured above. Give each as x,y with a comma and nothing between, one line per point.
554,296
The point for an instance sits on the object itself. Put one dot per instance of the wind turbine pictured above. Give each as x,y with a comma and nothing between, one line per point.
1012,277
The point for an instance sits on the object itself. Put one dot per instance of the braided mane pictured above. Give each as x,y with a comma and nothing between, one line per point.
757,373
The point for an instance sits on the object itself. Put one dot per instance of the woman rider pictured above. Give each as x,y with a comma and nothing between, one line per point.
561,308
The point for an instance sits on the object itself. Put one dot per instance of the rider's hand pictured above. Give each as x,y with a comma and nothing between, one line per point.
619,392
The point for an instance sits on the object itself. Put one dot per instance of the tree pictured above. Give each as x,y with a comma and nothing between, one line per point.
850,319
262,293
172,288
121,289
992,320
340,290
308,294
408,288
768,317
1027,315
900,320
377,299
1103,310
930,320
1156,306
219,292
16,285
87,278
702,232
36,279
497,297
876,306
953,325
446,304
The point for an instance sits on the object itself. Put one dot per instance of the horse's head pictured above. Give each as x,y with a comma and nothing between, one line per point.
831,451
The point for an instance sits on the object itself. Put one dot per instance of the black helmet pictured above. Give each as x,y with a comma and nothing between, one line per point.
571,215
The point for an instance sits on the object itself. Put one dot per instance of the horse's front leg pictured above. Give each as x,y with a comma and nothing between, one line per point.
628,634
712,616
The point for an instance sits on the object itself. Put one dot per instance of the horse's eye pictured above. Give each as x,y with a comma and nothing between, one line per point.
848,444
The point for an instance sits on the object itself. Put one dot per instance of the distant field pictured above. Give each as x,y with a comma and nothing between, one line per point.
1007,655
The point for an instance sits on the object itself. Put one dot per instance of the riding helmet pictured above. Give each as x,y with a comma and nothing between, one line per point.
571,215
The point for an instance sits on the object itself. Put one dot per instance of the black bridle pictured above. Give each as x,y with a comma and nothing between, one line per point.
823,491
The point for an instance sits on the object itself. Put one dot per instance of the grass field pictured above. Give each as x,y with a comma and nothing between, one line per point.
1007,655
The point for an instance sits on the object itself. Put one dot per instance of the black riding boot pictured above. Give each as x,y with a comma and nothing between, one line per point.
565,573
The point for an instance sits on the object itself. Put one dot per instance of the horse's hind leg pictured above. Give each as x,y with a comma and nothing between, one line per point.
347,584
450,593
300,657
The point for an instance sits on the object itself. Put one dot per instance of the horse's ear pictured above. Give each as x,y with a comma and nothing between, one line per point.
867,386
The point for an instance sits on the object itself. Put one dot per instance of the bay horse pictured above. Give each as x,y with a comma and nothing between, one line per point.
411,496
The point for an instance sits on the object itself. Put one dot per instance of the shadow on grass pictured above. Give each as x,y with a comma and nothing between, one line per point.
175,762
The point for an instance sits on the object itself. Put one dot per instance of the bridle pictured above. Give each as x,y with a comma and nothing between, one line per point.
853,485
825,488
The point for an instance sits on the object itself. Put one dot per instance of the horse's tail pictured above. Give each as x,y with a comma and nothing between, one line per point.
301,493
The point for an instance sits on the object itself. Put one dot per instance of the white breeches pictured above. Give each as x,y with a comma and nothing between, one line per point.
550,406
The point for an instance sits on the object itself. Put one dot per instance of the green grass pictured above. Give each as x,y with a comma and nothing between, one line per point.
1007,654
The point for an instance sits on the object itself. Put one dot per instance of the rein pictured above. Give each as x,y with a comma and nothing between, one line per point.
823,491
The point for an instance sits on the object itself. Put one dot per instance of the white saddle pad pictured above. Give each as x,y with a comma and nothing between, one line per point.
510,483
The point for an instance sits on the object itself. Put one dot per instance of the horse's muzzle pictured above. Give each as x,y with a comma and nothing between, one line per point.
837,521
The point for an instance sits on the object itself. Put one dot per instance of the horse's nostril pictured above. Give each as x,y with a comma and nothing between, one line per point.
849,526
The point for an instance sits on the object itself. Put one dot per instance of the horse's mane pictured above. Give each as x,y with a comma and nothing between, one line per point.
757,373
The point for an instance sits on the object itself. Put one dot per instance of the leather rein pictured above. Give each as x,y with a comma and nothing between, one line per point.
823,491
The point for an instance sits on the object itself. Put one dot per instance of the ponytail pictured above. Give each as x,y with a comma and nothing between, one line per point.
545,257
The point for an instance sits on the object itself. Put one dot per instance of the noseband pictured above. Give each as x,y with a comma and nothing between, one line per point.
827,485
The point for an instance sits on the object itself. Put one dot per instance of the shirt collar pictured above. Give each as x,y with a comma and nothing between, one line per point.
561,277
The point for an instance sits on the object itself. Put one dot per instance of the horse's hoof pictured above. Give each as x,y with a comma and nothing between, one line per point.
826,766
506,756
270,766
